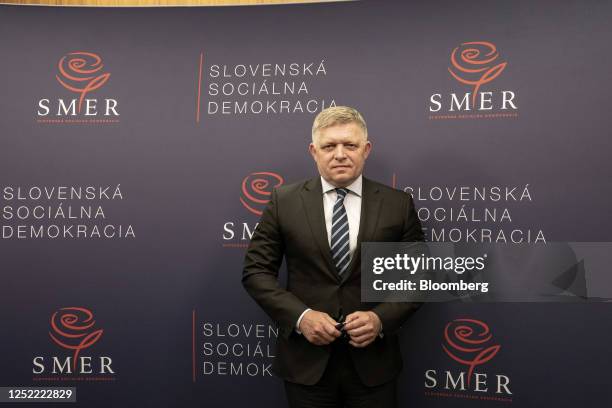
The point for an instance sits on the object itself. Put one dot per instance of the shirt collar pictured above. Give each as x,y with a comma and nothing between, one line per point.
355,187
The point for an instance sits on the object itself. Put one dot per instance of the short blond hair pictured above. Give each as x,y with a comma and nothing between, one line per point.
338,115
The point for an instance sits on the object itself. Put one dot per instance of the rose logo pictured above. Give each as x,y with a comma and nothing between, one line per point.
475,63
466,343
257,189
80,72
72,328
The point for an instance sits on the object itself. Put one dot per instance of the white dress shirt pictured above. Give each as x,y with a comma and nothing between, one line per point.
352,204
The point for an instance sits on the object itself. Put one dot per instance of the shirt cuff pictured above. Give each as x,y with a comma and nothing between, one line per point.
297,325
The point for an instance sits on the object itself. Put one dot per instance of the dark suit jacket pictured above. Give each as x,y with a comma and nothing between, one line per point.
293,225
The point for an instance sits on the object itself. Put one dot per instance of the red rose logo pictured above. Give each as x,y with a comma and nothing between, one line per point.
467,341
73,329
80,72
475,63
257,189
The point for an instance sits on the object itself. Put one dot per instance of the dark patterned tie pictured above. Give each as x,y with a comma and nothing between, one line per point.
340,233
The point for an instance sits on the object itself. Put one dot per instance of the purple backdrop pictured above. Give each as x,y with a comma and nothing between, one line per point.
138,146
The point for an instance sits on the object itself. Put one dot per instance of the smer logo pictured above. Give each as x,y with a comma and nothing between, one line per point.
470,343
257,189
474,63
81,73
73,329
467,341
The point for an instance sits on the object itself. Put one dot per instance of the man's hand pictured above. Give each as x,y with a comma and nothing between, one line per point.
363,327
319,328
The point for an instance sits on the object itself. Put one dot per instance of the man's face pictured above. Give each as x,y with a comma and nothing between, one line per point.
340,152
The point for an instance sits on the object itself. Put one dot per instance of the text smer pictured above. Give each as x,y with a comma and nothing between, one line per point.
90,107
481,383
66,366
486,101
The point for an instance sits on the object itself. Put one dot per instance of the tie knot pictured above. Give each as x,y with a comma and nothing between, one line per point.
342,192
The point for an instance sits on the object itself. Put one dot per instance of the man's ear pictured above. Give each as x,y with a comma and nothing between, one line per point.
368,148
312,150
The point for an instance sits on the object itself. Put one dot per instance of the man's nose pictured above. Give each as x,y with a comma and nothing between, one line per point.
339,152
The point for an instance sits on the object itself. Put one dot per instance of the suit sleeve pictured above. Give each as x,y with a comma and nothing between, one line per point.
393,314
260,274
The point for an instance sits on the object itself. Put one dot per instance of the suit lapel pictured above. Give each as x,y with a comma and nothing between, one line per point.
312,199
371,201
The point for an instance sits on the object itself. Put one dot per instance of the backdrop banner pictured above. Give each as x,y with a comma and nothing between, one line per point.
139,147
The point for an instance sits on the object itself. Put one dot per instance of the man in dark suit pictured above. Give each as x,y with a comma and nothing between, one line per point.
318,226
